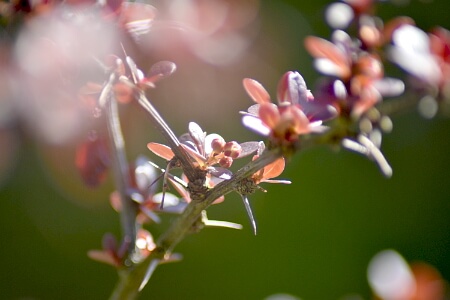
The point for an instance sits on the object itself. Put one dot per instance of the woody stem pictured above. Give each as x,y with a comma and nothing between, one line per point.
130,280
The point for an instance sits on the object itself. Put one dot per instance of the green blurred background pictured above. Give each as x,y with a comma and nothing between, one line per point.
315,237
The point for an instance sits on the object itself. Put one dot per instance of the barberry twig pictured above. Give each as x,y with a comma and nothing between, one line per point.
120,167
130,279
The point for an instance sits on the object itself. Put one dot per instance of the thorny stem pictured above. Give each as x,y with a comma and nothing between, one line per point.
120,167
130,280
182,225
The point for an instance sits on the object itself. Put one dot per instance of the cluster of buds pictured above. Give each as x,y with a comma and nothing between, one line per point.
124,85
356,84
207,151
361,83
225,151
92,158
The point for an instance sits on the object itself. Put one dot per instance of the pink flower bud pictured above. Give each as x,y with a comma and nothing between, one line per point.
232,149
217,145
226,162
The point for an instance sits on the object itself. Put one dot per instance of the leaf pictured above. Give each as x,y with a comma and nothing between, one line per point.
254,109
161,70
221,173
274,169
181,189
161,150
150,214
269,115
321,48
200,159
102,256
261,148
256,125
198,136
292,88
186,139
169,199
144,174
393,25
92,160
175,209
256,91
248,148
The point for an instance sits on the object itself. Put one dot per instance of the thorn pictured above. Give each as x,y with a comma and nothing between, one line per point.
165,175
165,186
366,147
377,155
156,180
174,178
261,189
148,274
214,223
249,212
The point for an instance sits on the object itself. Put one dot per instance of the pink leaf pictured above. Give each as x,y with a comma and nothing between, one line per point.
321,48
256,91
161,150
274,169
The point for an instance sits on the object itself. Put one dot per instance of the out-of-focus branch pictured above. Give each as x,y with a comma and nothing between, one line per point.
120,167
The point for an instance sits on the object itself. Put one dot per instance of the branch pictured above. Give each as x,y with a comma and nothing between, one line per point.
120,167
130,280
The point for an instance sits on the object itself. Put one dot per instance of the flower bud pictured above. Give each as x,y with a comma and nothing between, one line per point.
217,145
226,162
232,149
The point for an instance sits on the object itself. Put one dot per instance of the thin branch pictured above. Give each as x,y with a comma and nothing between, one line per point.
130,280
120,167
